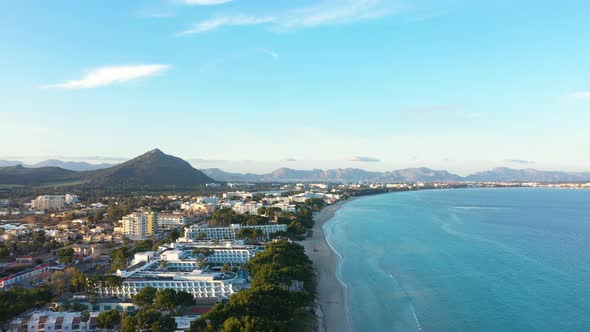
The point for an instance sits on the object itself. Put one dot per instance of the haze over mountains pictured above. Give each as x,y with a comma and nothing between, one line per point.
421,174
156,168
69,165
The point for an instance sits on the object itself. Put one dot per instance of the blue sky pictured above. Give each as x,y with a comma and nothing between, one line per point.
248,85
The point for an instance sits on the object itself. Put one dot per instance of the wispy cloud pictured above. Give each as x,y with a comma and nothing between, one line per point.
429,109
581,94
337,12
519,161
155,14
203,160
204,2
215,23
289,159
271,53
324,13
364,159
104,76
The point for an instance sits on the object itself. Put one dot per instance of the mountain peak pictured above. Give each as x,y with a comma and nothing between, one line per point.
152,168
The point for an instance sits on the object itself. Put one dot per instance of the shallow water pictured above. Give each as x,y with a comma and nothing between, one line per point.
466,260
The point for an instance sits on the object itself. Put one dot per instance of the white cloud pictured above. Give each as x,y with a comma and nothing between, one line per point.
111,75
336,12
324,13
205,2
271,53
581,94
214,23
365,159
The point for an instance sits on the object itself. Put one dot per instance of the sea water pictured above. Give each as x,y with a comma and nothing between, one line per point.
466,260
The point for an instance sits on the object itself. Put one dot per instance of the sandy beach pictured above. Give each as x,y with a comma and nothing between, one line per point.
331,298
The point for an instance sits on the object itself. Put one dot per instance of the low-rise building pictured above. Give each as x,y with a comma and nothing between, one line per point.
39,321
171,220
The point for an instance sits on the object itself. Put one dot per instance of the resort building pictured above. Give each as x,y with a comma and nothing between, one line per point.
180,274
171,220
250,208
39,321
196,232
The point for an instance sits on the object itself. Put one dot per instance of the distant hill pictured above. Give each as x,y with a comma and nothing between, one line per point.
509,174
31,176
6,163
153,168
422,174
69,165
337,175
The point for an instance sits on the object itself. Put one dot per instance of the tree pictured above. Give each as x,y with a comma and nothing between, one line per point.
201,236
65,255
60,280
165,299
39,237
226,268
145,318
145,296
85,316
295,228
119,257
128,323
108,319
4,252
143,245
184,299
79,282
167,324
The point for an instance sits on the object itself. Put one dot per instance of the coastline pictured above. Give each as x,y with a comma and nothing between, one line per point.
331,303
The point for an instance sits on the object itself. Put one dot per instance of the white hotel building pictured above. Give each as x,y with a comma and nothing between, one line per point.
171,220
181,273
229,233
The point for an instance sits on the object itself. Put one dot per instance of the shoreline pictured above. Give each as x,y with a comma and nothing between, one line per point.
331,302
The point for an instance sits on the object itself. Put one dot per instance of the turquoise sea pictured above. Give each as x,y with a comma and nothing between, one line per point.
466,260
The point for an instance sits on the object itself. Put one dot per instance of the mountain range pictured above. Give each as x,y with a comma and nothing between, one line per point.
156,168
422,174
153,168
78,166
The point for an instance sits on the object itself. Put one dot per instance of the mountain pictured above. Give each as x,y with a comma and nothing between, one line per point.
219,175
71,165
153,168
422,174
347,175
6,163
31,176
509,174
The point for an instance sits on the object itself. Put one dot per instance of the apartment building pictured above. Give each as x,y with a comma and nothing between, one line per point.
135,226
48,202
